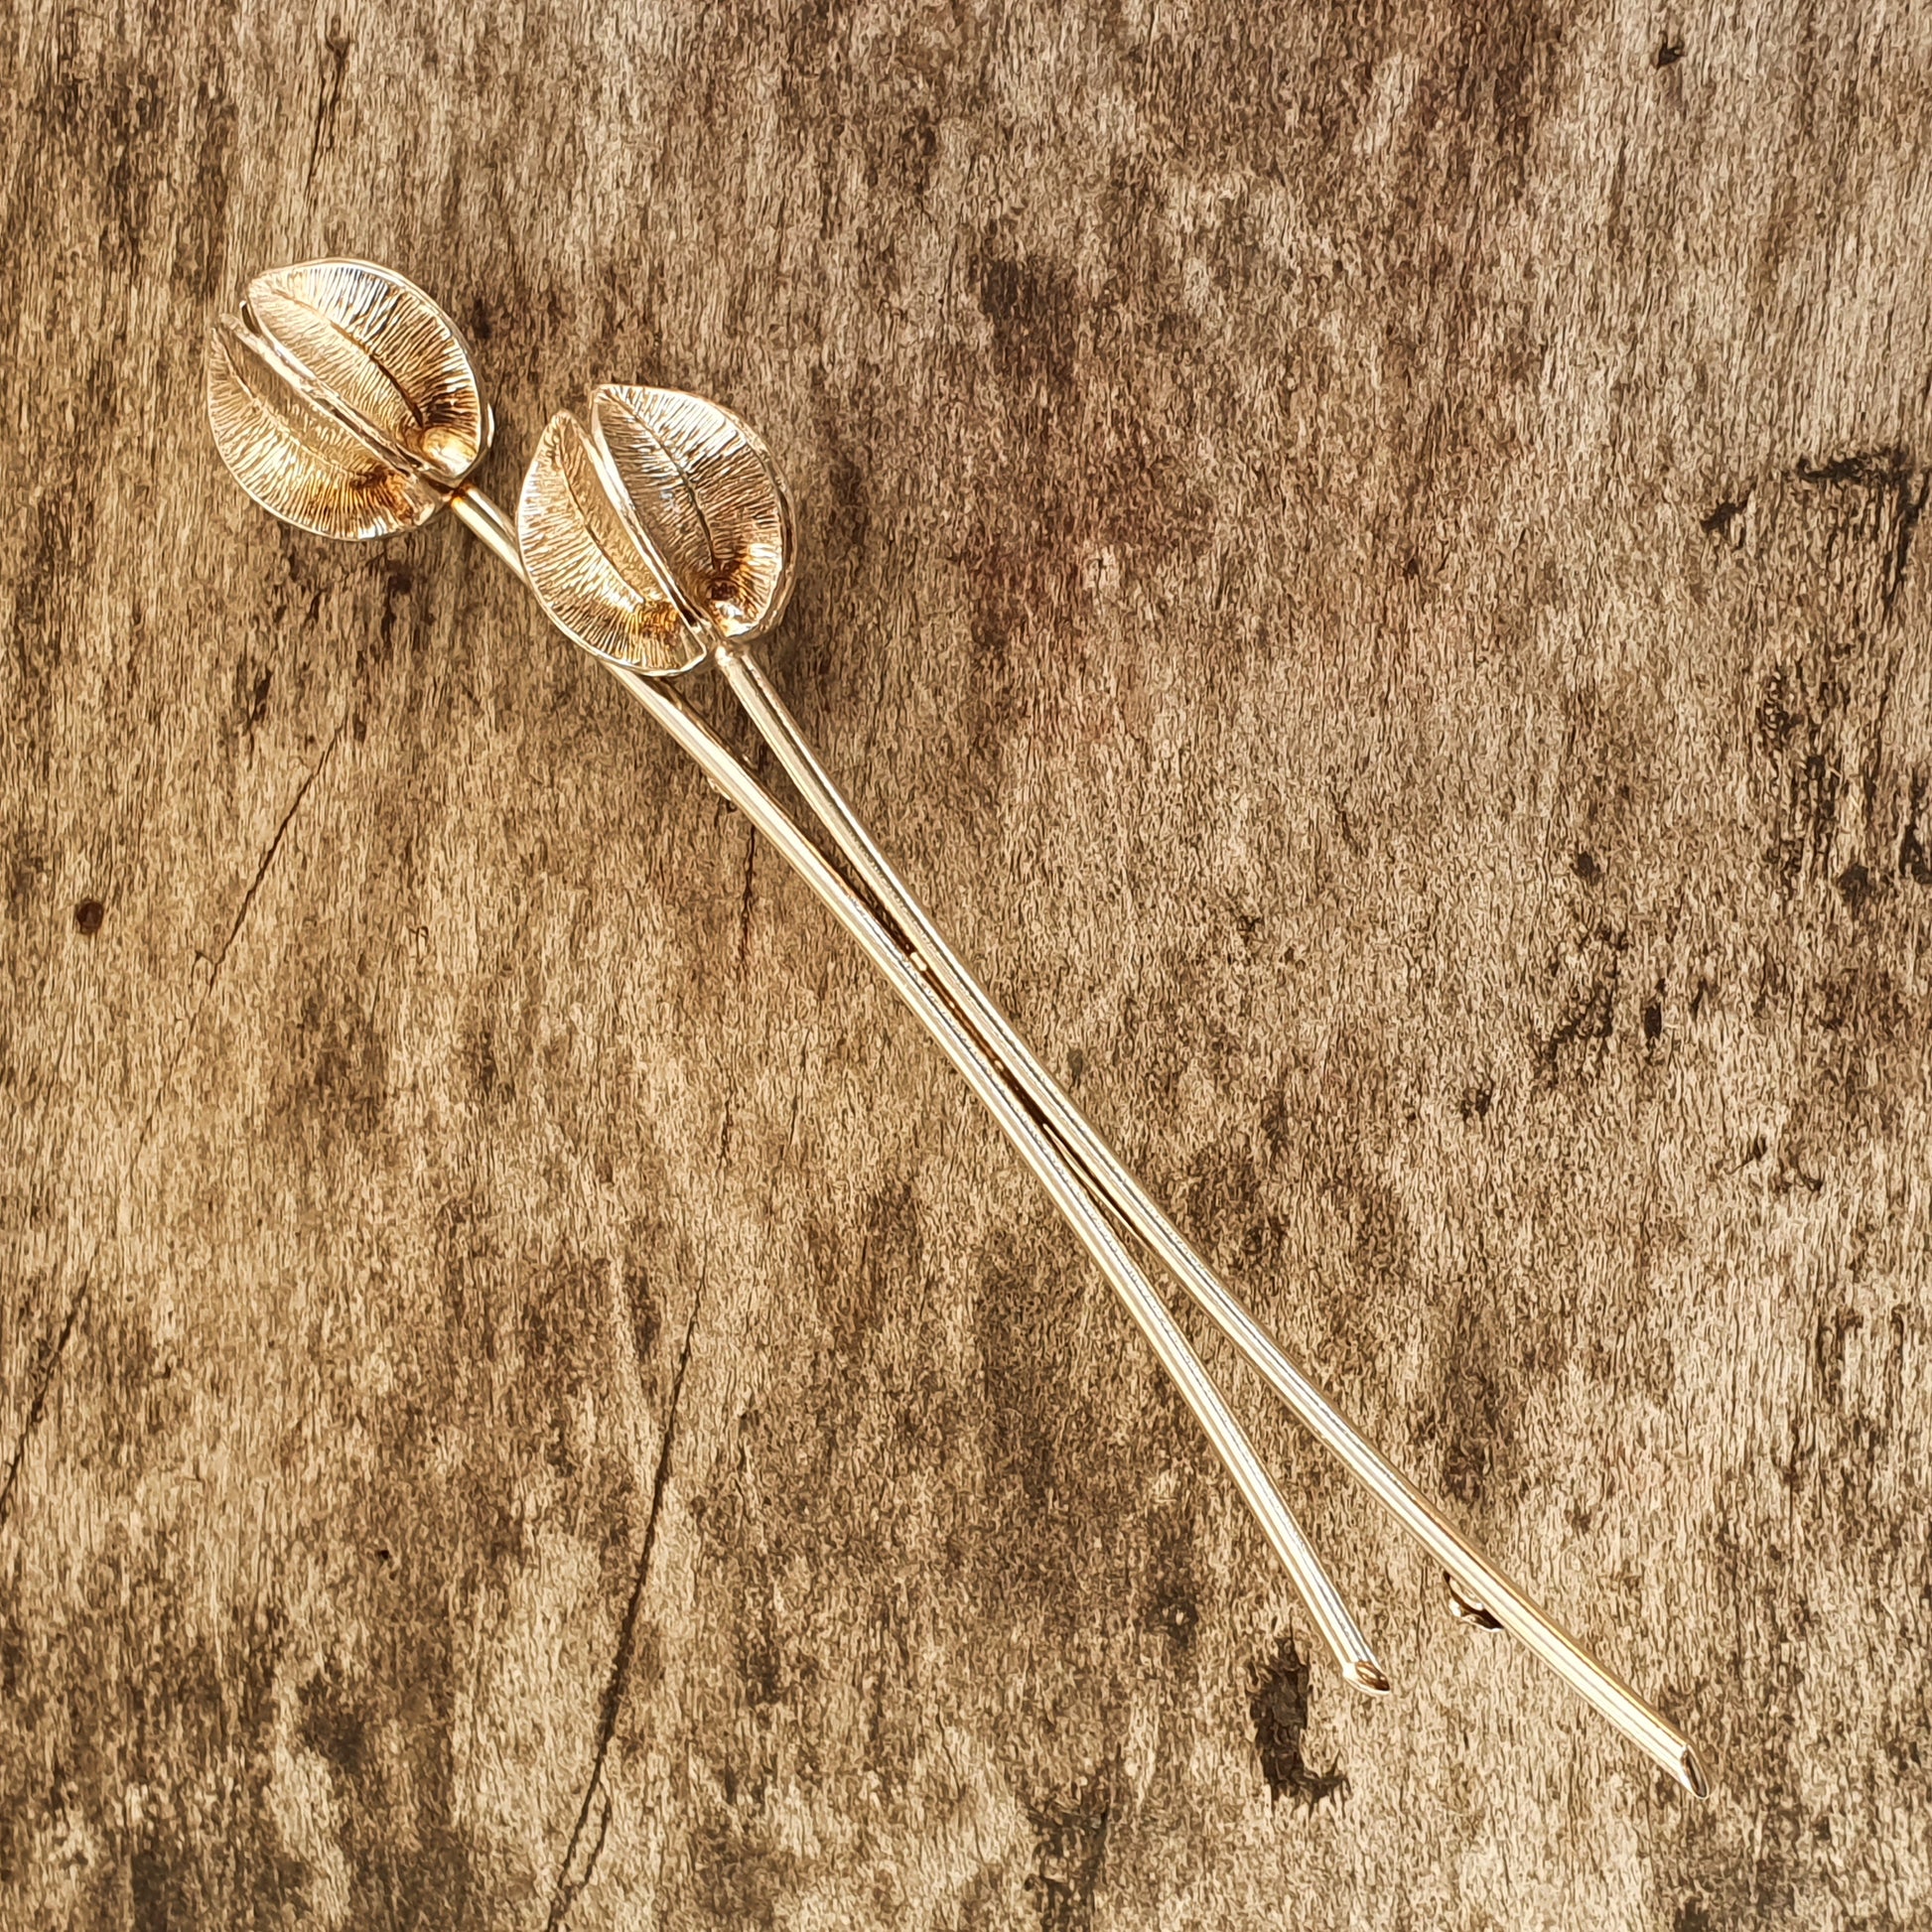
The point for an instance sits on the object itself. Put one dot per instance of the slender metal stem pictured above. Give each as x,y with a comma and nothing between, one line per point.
1515,1611
1040,1152
484,519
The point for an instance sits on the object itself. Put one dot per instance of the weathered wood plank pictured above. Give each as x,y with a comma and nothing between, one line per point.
1365,563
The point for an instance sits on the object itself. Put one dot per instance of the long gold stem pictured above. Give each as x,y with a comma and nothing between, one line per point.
1496,1593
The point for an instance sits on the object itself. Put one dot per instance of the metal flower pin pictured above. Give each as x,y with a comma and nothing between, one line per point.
659,534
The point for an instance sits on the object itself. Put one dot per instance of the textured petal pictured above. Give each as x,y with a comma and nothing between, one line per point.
293,457
377,348
703,490
584,565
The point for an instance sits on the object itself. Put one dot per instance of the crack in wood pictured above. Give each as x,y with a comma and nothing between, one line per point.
745,903
567,1889
329,98
57,1356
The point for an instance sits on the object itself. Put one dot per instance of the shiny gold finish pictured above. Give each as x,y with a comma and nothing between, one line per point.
587,567
664,533
662,526
707,502
343,399
1464,1608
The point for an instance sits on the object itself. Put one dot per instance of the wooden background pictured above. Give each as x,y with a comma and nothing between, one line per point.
1363,560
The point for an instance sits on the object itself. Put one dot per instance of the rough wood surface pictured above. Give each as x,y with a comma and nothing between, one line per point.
1364,560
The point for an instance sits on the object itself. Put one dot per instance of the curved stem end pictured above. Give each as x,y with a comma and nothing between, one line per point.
1368,1677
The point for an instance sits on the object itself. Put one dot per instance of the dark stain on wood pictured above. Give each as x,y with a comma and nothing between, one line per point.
1367,563
1278,1704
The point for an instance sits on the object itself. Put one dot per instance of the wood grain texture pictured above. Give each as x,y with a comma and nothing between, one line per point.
1363,560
